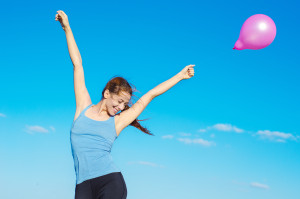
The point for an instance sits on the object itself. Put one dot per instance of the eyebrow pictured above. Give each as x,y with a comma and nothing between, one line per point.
124,101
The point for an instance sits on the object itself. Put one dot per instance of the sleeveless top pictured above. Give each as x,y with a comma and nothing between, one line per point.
91,143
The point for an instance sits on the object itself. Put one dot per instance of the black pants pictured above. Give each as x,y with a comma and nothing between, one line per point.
110,186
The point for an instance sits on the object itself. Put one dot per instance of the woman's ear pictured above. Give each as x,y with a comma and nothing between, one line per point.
106,94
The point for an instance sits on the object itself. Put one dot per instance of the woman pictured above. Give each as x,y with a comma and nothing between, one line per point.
95,127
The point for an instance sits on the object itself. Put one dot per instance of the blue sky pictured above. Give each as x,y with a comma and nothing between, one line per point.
230,132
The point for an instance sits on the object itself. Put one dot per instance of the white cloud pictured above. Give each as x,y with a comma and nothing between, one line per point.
222,127
259,185
185,134
196,141
226,127
237,130
167,137
275,135
147,164
2,115
212,135
35,129
52,128
280,140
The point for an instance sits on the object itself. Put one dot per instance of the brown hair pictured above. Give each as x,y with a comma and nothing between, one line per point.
115,86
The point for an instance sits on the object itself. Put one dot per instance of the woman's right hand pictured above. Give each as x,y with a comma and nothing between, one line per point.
62,18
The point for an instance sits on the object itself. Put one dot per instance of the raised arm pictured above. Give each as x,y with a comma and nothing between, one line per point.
82,96
129,115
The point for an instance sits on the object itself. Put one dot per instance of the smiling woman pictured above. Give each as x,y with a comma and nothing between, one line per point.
120,92
96,127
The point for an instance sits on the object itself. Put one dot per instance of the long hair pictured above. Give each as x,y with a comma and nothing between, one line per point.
115,86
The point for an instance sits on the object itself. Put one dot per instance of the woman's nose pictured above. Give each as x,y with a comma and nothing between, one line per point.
120,107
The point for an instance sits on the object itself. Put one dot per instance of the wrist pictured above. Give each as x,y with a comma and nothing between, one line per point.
179,76
67,28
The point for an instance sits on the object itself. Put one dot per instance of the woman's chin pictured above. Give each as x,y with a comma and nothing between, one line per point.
112,113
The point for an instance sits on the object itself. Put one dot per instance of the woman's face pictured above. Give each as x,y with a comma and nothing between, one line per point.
118,102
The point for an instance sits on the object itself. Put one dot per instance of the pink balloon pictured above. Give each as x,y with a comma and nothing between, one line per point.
257,32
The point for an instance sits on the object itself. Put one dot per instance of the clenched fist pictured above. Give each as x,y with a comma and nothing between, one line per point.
187,72
62,18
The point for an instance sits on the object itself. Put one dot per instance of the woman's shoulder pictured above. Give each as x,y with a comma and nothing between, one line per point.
80,109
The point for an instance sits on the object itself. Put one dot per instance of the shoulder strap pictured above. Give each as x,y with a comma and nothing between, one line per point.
81,113
86,108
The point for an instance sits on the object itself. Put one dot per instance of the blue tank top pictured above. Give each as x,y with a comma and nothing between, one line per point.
91,143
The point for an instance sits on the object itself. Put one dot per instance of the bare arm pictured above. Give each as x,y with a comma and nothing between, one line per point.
72,47
129,115
163,87
81,94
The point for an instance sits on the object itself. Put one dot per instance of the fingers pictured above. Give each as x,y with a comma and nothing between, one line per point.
57,17
60,15
189,66
61,12
191,70
188,71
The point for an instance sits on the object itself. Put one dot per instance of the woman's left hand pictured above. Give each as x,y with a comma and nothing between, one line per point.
187,72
